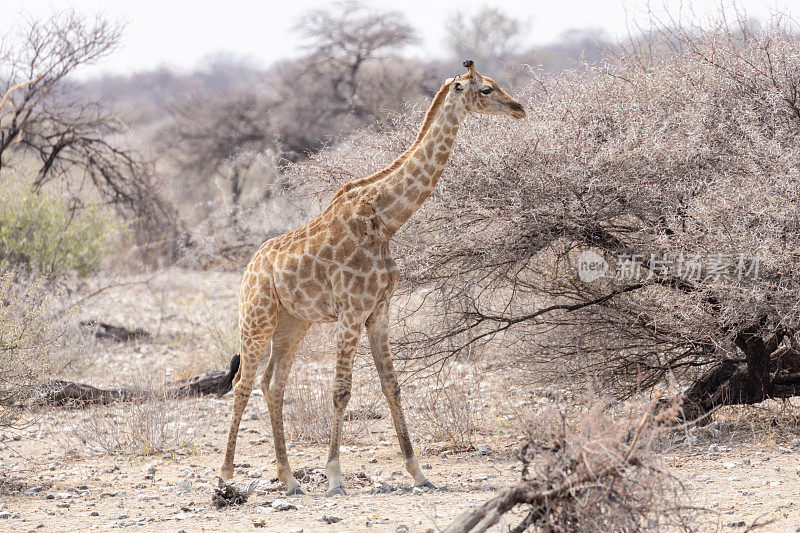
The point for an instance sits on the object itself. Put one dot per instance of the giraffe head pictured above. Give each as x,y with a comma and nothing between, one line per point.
481,94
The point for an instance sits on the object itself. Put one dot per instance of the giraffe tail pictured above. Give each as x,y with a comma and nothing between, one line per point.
227,384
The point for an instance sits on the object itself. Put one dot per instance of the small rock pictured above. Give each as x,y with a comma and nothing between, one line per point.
259,522
296,530
282,505
740,523
483,449
264,510
402,528
729,465
58,495
372,460
33,490
329,519
255,473
5,514
783,449
183,485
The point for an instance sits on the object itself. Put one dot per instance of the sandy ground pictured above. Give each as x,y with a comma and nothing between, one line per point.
51,481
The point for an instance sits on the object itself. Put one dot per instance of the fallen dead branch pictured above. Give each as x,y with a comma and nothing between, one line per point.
61,392
116,333
598,477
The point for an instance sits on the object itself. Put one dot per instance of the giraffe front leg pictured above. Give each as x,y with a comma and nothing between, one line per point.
378,333
346,341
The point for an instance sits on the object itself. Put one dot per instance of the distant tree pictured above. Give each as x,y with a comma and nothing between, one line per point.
223,139
297,107
574,46
344,37
64,138
487,36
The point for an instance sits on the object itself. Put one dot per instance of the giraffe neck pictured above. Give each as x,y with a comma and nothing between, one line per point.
404,191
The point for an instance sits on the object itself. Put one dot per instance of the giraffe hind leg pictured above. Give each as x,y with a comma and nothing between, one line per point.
288,334
257,321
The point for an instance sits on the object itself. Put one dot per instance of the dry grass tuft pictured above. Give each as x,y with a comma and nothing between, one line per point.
446,410
158,422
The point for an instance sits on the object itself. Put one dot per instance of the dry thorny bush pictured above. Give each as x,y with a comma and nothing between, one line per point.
590,469
444,408
157,422
684,143
35,342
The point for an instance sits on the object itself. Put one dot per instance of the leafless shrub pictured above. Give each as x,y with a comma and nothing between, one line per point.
69,140
308,410
159,421
684,144
28,342
444,409
222,336
308,407
589,471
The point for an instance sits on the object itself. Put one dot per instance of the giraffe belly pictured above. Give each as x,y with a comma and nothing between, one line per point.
307,304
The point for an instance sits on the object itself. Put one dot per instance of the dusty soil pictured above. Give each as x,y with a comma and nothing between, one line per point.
51,480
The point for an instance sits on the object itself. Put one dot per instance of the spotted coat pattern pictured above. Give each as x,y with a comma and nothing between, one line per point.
337,268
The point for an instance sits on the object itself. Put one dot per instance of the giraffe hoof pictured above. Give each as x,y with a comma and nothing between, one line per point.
297,491
427,485
336,491
225,474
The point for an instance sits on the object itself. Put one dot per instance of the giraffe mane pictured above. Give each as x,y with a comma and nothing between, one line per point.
426,124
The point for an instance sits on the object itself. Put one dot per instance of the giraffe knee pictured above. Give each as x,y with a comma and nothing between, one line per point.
340,398
391,391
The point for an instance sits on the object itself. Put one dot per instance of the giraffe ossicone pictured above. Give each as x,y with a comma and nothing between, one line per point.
337,268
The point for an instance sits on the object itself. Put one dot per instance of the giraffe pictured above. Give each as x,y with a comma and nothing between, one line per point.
337,268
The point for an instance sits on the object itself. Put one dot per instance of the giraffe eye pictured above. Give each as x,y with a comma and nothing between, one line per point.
487,90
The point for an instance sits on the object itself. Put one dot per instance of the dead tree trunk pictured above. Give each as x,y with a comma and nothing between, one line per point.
60,392
766,372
